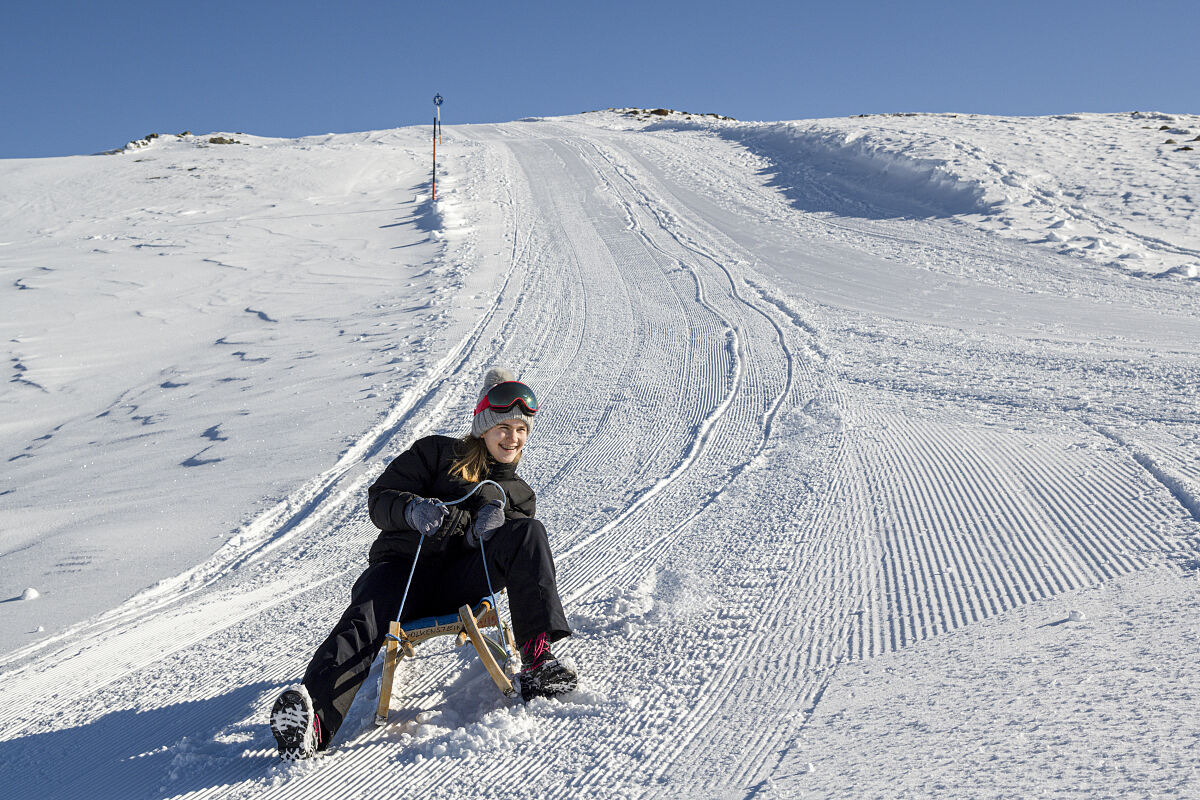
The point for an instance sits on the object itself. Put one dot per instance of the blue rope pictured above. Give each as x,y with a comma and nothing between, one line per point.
495,603
411,572
482,553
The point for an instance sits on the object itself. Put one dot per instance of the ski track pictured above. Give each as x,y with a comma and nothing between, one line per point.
977,521
684,398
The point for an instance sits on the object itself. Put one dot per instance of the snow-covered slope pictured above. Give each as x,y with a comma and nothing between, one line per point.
833,442
193,331
1116,190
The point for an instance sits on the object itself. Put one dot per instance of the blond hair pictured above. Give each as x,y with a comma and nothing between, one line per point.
472,465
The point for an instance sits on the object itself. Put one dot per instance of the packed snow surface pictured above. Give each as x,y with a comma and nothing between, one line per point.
869,451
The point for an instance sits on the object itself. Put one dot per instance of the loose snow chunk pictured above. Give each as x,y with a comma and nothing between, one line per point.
497,731
30,594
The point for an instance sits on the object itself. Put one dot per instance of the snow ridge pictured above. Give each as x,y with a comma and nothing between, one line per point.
1107,188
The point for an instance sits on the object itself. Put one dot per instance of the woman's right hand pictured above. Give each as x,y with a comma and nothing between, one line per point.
424,515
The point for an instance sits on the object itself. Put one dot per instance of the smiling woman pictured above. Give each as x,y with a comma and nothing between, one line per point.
503,418
413,504
504,441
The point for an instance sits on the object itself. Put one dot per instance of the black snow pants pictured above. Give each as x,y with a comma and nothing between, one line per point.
519,559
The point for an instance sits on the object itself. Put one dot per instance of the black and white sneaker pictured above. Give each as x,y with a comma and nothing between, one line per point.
295,724
547,678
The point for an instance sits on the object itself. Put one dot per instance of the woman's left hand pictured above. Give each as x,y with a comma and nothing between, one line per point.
487,520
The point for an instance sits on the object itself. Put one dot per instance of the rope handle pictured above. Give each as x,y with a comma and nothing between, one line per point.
478,486
482,553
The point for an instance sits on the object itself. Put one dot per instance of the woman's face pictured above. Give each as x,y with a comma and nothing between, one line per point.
505,440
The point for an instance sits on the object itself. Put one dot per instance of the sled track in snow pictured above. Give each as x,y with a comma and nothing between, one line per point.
677,397
711,695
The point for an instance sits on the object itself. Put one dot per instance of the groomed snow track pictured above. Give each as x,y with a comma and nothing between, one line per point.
738,501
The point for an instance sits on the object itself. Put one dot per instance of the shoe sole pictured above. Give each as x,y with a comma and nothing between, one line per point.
292,725
550,688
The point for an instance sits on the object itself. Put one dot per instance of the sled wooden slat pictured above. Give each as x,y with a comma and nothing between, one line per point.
485,653
464,626
389,671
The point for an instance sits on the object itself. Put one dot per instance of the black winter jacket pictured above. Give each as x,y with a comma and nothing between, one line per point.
424,471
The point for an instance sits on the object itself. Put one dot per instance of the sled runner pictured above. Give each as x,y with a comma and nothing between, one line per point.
464,626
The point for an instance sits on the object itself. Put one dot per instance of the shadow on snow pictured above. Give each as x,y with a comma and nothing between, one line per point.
158,753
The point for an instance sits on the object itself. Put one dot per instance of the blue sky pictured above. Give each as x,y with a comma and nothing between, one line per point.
79,77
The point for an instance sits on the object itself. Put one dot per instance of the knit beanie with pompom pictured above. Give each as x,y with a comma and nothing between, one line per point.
489,417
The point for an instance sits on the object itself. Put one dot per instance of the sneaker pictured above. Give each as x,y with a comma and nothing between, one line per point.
295,725
543,675
549,678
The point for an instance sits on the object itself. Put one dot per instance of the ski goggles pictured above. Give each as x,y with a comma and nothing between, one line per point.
503,396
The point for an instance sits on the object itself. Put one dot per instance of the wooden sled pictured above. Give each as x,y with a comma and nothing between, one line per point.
465,626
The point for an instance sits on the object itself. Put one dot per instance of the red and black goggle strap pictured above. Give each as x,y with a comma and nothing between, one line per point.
503,396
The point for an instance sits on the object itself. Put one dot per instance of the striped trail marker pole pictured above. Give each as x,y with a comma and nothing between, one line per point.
437,135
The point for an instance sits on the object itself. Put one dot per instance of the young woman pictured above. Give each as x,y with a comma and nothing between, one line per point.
450,570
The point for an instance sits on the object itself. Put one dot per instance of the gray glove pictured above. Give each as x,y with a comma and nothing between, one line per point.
424,515
487,520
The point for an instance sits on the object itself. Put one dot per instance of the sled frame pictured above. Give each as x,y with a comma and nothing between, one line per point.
465,626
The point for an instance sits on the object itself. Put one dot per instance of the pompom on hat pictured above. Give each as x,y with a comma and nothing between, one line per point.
486,418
